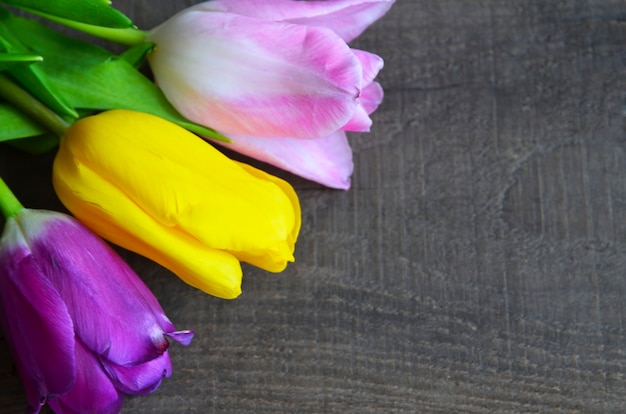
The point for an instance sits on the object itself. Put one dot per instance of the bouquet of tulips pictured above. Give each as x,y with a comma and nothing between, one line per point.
138,164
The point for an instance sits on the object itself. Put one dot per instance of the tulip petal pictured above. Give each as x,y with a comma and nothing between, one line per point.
96,202
140,379
182,337
93,391
360,122
347,18
115,213
327,160
274,258
371,94
102,288
245,76
157,209
36,322
371,97
371,64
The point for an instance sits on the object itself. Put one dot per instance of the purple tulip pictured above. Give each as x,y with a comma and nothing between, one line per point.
275,76
82,326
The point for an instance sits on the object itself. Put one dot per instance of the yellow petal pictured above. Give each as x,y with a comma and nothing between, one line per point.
154,188
99,205
275,260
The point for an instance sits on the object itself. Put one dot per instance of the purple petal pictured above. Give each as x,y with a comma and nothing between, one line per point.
114,313
327,160
139,379
182,337
347,18
36,322
245,76
93,391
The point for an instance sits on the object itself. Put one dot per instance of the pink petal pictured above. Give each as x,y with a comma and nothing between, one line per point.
245,76
93,392
369,100
327,160
371,64
371,97
360,122
347,18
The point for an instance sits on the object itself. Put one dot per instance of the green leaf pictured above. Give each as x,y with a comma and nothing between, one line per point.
19,58
7,60
36,144
31,77
136,55
16,125
93,12
127,35
92,78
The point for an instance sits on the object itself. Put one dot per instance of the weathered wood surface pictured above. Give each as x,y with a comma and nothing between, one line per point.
477,264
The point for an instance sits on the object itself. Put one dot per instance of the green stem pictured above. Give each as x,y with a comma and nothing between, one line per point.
13,93
128,36
9,204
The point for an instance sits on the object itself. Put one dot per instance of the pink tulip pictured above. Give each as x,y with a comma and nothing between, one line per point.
326,160
269,73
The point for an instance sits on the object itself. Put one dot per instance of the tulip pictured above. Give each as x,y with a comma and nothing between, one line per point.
154,188
326,160
270,73
83,327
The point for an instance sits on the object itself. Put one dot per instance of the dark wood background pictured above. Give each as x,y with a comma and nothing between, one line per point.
477,264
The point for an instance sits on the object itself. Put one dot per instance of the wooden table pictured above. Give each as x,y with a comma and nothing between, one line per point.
476,265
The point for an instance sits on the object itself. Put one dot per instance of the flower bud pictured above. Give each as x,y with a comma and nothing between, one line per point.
154,188
83,327
272,75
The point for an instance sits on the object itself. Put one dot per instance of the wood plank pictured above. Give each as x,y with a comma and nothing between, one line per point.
477,264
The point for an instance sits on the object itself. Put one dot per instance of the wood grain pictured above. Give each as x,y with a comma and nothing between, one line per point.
477,264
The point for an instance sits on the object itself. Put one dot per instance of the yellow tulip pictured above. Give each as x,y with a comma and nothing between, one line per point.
154,188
